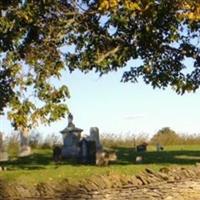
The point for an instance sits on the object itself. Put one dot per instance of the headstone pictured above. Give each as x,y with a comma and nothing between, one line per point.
87,152
138,159
83,156
159,147
142,147
103,158
71,145
94,136
71,139
91,151
57,153
2,168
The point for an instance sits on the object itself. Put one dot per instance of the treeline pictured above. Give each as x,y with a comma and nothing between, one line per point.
165,136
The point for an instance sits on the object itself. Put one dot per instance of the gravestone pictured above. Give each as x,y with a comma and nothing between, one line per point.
94,136
142,147
3,153
71,139
83,156
91,151
57,153
87,151
159,147
103,158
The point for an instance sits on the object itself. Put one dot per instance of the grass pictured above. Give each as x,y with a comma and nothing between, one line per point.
39,167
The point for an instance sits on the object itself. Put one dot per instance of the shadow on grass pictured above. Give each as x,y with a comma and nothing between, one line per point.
126,156
182,157
36,161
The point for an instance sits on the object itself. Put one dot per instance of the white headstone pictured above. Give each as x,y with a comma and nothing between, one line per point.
138,159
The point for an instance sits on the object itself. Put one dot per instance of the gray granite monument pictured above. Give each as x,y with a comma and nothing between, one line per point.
87,153
71,139
94,136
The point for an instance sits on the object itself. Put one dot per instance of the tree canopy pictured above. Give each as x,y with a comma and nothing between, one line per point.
166,136
40,39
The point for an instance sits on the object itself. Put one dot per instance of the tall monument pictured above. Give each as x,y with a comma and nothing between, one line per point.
71,138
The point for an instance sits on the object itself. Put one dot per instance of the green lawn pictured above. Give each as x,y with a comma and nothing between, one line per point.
39,167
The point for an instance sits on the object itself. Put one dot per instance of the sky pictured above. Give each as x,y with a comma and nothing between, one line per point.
123,108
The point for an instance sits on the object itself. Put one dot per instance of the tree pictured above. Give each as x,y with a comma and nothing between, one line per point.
98,35
166,136
31,33
163,34
5,88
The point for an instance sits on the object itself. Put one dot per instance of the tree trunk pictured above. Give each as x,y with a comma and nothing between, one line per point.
25,149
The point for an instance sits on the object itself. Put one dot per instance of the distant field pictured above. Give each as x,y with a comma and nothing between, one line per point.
39,167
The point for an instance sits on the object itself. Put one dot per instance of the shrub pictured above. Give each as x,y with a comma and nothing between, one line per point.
190,139
50,141
124,140
35,139
166,136
13,144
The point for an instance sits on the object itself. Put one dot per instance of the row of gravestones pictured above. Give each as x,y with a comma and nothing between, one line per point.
74,145
82,148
